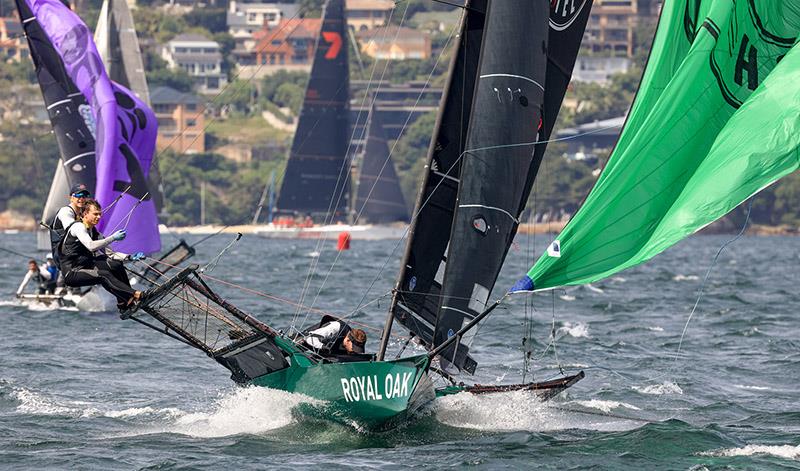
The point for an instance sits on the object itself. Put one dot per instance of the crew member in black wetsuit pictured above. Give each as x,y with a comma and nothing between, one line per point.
82,266
335,337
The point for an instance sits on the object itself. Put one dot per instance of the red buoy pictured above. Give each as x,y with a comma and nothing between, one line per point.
344,241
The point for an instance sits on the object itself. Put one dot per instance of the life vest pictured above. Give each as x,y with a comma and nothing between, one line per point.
73,253
57,233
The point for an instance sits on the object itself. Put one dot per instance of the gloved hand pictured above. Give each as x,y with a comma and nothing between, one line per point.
119,235
137,256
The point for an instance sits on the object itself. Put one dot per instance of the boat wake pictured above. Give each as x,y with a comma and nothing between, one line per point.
522,410
252,410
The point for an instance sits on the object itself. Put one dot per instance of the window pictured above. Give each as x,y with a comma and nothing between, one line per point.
191,107
190,123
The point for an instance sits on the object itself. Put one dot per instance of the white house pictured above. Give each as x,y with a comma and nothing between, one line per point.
200,57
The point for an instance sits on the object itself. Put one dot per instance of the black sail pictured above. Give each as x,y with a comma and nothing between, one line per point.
379,198
453,261
317,178
416,301
68,111
567,24
494,174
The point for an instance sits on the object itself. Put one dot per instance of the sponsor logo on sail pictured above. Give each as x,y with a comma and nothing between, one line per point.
370,388
564,12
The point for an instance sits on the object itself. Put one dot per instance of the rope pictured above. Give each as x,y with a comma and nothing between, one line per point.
214,261
708,272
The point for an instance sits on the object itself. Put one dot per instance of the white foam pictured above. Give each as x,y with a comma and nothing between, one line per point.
753,388
656,329
313,254
605,406
251,410
593,288
517,410
789,452
574,330
567,297
680,277
31,402
667,387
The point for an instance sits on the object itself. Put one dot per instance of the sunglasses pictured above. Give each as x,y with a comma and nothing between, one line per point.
82,194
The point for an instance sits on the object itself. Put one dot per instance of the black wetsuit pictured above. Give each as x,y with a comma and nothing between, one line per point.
81,267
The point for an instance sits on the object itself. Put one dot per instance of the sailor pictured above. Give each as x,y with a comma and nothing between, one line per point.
84,266
335,337
41,275
67,215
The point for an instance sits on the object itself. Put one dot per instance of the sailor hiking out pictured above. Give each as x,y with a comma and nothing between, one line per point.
333,337
87,259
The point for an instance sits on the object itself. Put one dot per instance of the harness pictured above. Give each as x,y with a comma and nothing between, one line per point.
57,235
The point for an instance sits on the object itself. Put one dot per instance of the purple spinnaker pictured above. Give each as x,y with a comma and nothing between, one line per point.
125,132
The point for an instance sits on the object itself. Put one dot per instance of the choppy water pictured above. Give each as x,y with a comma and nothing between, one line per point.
88,391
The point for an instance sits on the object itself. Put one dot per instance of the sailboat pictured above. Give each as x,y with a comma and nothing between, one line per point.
498,110
317,182
105,133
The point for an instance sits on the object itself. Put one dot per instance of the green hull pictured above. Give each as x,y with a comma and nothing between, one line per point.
373,395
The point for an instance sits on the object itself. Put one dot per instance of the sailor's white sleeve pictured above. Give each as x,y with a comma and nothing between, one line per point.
43,271
317,338
79,231
28,276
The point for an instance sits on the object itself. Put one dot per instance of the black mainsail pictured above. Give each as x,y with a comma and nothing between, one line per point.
69,114
317,178
379,198
482,165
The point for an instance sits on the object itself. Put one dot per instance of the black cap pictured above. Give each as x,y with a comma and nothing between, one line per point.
79,188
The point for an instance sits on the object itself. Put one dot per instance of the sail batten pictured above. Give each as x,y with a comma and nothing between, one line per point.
700,139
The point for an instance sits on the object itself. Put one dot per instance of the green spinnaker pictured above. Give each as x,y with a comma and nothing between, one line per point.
726,125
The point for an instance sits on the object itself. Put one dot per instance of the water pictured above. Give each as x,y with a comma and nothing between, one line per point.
89,391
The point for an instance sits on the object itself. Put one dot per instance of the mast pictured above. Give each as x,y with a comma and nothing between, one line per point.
317,178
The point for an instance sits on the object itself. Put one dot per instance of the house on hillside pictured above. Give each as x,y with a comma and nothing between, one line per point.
244,19
13,46
599,69
395,43
363,15
198,56
288,46
181,121
610,28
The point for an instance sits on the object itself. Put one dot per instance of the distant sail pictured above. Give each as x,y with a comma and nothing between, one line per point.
724,126
379,198
125,127
118,47
317,178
